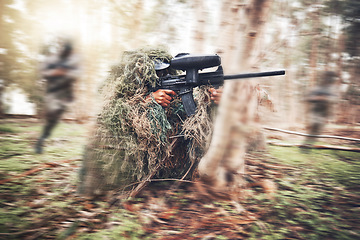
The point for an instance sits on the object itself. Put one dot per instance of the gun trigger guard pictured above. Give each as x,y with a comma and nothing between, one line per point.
185,91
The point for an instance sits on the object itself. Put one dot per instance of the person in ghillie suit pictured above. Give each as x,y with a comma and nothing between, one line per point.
139,134
319,103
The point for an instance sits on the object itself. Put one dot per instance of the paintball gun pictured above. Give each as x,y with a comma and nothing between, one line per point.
191,64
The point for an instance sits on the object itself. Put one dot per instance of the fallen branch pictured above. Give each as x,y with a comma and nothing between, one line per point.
316,146
309,135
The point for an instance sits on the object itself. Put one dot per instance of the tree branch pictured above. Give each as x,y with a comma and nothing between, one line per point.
316,146
309,135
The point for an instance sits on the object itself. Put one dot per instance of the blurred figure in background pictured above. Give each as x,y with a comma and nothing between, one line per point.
319,105
60,72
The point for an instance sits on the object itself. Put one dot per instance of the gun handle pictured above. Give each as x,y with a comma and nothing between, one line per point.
187,99
216,86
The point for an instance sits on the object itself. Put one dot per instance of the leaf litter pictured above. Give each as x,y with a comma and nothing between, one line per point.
279,202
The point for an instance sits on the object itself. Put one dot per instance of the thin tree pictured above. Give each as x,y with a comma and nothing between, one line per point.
200,33
224,161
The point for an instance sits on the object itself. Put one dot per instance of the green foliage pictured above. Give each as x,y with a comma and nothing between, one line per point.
349,10
351,16
18,65
335,6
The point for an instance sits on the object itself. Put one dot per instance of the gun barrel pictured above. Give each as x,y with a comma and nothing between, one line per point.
253,75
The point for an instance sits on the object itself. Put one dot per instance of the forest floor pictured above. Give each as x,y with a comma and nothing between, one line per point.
290,194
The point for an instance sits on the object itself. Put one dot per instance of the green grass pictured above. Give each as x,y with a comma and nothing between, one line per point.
18,141
7,129
339,167
315,201
128,227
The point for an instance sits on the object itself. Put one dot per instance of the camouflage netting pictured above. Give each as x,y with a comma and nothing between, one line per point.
135,140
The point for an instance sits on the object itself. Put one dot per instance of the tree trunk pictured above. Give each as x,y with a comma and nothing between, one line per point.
339,105
228,33
135,28
314,49
224,161
1,102
201,24
290,99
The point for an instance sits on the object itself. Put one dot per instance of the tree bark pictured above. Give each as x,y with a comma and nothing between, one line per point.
224,161
229,32
201,24
314,49
1,102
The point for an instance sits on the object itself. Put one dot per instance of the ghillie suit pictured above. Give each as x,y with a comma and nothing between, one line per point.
137,140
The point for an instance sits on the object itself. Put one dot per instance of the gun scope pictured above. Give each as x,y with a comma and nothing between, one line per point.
195,62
